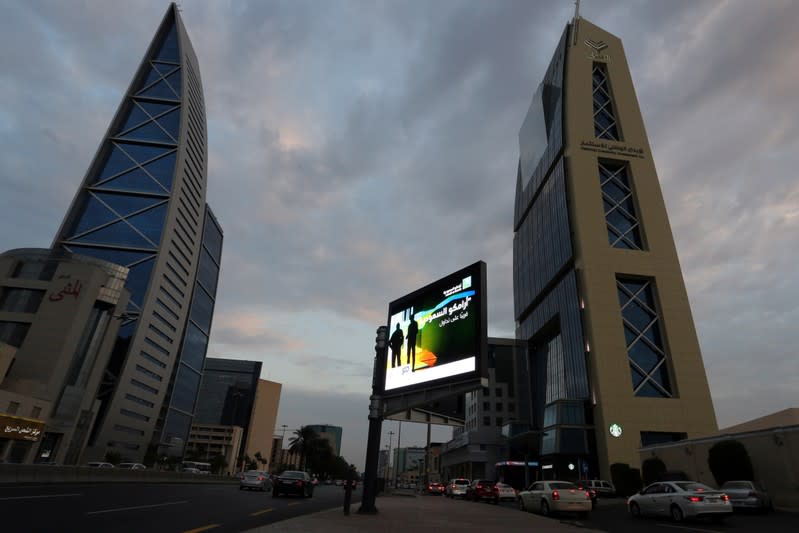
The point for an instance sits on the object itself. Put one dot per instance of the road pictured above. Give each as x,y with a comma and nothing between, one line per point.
152,508
611,515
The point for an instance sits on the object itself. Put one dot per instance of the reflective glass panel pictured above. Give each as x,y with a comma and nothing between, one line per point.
174,81
177,427
212,238
119,257
202,309
94,214
169,49
14,333
118,234
163,169
142,152
195,344
208,272
138,279
152,75
644,356
185,389
155,108
116,162
135,116
164,68
661,377
637,316
149,132
135,181
125,204
159,90
650,391
150,222
637,377
171,123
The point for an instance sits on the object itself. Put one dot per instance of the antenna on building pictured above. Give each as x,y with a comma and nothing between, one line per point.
574,21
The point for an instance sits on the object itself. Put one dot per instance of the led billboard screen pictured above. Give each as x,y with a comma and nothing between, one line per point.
437,333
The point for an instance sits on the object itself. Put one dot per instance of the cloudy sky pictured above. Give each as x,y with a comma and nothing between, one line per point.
359,150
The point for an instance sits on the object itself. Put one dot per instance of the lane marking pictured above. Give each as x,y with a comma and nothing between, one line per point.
294,503
256,513
40,496
691,528
137,507
204,528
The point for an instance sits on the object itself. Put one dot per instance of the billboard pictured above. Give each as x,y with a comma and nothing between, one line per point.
437,333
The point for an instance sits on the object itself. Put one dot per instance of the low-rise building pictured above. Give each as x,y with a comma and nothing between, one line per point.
59,317
207,441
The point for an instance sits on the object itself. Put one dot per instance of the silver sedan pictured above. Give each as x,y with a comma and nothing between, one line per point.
255,480
680,500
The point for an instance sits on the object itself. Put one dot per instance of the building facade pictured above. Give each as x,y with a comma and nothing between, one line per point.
613,360
59,318
331,434
261,429
206,441
141,205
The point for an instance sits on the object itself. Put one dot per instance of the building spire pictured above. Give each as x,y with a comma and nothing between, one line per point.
574,21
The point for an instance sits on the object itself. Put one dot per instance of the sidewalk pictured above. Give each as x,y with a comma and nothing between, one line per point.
422,514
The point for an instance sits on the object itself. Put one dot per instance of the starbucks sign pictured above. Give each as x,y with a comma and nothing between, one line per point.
615,430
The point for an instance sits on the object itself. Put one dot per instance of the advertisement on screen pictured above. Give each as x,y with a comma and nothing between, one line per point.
438,332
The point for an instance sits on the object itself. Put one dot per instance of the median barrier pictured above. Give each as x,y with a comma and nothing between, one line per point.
14,473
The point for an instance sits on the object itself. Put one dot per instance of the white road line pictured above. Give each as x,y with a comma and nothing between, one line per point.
40,496
137,507
691,528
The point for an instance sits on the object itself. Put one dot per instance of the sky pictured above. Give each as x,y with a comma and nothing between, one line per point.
360,150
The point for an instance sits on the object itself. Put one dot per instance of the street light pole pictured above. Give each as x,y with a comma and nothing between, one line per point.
388,461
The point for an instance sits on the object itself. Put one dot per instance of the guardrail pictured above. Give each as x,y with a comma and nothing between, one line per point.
14,473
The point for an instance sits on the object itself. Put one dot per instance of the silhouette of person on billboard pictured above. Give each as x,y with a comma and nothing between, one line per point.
396,347
413,330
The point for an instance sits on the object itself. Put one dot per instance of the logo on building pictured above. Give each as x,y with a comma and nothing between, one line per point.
597,47
615,430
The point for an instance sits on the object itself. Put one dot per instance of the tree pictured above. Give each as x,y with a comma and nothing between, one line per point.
261,460
301,443
218,463
652,469
729,460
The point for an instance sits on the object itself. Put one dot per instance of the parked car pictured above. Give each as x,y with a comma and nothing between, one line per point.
482,489
339,482
255,479
435,488
457,487
603,488
505,492
132,466
680,500
747,495
584,485
548,497
192,471
293,482
100,464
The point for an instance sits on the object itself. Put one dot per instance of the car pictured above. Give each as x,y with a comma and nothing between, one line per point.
482,489
548,497
192,471
680,500
435,488
255,480
505,492
353,483
584,485
132,466
99,464
603,488
457,487
339,482
747,495
293,482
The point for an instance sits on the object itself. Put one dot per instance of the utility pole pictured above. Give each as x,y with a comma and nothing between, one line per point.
388,459
375,423
396,463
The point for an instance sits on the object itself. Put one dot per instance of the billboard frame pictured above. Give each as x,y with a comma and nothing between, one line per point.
480,371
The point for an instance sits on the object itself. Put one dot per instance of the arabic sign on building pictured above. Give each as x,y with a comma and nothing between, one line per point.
69,289
18,428
612,149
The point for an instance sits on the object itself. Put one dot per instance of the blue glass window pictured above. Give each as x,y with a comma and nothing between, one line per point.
187,382
163,169
141,152
212,238
155,108
149,132
174,80
195,344
159,90
645,350
94,214
202,309
136,180
119,233
572,441
177,426
116,162
135,116
171,123
604,118
624,228
139,279
125,204
164,68
169,49
150,223
208,272
152,76
14,333
120,257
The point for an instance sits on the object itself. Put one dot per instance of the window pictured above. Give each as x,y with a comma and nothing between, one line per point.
157,347
35,412
138,400
511,407
645,351
151,390
604,118
486,392
126,429
13,333
13,407
152,359
41,270
16,300
486,406
624,229
202,309
651,438
499,421
160,333
149,373
486,420
134,414
166,309
499,406
499,392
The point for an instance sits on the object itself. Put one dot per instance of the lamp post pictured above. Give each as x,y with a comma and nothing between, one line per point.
388,462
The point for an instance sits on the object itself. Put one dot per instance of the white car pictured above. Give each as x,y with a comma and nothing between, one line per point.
457,487
680,499
505,492
99,464
555,496
132,466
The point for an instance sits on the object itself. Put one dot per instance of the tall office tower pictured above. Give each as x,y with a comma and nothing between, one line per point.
332,434
613,358
141,205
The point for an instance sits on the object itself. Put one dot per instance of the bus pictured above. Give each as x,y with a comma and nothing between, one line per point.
195,467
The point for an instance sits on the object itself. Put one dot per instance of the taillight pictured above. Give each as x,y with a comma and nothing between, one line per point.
478,487
555,495
695,498
260,478
587,495
726,498
301,483
242,478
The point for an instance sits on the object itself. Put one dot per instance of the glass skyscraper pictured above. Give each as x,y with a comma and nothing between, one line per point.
142,205
612,359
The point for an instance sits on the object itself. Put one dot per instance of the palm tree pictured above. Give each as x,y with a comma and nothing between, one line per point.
261,460
301,443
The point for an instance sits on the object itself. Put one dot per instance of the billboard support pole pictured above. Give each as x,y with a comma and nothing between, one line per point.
375,425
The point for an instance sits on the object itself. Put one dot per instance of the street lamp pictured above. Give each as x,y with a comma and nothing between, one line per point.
388,461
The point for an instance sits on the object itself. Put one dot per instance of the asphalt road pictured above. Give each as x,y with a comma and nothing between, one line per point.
153,508
611,515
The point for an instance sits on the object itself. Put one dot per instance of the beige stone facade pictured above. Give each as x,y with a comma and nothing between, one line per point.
208,440
264,416
690,409
59,317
